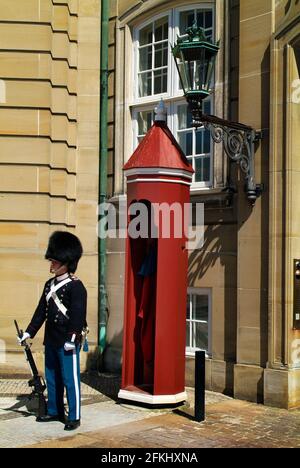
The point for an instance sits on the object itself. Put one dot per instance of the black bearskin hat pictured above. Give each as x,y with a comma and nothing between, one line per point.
65,248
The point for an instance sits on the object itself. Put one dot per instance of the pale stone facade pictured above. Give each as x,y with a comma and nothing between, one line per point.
49,140
49,120
247,259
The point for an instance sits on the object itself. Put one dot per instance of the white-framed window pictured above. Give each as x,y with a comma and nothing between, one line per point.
198,321
152,58
156,77
196,144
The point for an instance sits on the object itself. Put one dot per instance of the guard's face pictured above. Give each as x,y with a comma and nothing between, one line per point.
57,268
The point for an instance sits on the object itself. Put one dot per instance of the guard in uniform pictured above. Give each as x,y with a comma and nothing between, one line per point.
63,309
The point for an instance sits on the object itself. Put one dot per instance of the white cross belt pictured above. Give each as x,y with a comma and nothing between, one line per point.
52,293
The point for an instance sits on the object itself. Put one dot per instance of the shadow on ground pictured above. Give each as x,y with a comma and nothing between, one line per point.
105,383
23,407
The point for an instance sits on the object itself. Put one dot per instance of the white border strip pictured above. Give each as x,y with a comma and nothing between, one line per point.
76,385
158,171
171,181
152,399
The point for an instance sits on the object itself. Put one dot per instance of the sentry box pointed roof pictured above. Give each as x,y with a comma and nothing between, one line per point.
159,149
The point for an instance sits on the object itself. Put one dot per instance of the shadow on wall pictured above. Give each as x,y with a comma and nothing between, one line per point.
103,373
219,250
215,250
202,260
110,360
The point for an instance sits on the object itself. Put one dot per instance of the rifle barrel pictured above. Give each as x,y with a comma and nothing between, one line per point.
18,329
36,382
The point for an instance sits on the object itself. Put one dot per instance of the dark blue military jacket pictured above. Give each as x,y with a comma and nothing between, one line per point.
60,328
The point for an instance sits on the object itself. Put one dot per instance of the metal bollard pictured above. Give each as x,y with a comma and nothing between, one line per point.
200,386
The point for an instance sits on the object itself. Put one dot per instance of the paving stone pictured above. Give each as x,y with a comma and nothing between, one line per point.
229,423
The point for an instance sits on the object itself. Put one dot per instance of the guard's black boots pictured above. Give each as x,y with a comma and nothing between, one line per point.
49,418
71,425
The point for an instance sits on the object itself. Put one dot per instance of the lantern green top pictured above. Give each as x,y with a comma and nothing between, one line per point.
195,56
193,40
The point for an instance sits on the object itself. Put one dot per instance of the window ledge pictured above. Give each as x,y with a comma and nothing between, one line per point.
213,198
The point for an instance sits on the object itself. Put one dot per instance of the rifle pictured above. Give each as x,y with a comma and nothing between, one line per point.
37,382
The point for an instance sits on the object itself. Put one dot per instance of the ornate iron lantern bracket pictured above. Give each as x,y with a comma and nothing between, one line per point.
239,145
195,56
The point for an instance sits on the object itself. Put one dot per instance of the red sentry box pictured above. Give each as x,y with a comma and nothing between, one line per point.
153,369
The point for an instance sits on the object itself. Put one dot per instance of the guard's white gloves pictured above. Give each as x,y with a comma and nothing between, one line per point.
69,346
24,337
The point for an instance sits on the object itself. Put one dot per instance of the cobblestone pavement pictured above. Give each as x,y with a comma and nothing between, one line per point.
105,423
229,424
12,387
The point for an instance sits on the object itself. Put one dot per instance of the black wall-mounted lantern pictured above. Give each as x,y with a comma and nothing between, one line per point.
195,59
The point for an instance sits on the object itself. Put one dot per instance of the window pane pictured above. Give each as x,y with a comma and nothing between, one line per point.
188,335
146,35
201,336
199,142
188,306
184,117
186,142
200,311
165,80
204,20
208,19
206,169
202,169
145,84
186,20
145,119
189,144
161,55
207,140
161,29
160,81
199,170
146,58
207,106
197,325
200,19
